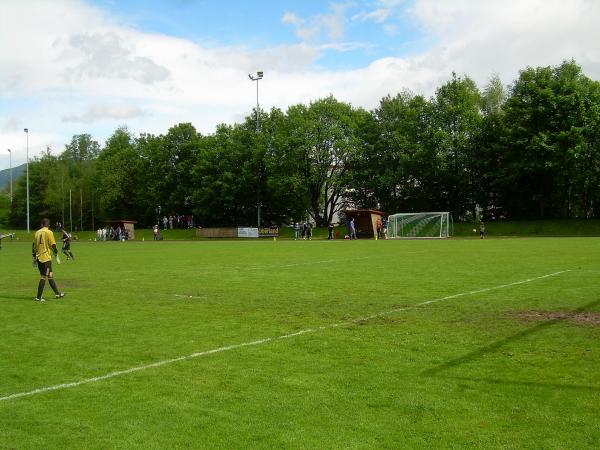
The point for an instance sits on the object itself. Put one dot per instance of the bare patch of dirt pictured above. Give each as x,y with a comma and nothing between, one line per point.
579,318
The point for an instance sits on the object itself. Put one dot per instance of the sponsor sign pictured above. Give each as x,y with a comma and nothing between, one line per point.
247,232
268,232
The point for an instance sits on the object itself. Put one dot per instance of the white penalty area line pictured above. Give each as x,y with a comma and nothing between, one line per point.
227,348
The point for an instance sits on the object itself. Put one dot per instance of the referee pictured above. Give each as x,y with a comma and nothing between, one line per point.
43,245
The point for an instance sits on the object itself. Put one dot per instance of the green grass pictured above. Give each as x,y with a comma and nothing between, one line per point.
466,372
550,228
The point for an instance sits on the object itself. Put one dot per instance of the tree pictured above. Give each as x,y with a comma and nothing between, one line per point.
81,148
121,180
456,120
315,147
550,163
168,162
488,150
396,168
225,191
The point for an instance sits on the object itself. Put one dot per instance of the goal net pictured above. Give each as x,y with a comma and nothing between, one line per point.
419,225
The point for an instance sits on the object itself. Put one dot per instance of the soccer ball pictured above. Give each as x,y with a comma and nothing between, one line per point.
474,230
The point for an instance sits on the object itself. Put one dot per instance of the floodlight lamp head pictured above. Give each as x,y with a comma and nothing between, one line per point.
8,150
26,130
259,75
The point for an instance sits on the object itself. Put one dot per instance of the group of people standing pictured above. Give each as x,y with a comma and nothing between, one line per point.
112,234
177,221
306,228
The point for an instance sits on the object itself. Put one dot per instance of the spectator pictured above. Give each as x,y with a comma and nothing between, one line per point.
330,232
296,231
352,229
384,224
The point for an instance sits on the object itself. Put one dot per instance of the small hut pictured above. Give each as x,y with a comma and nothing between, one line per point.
365,221
128,225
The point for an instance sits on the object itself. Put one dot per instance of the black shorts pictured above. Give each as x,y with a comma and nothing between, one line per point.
45,268
66,246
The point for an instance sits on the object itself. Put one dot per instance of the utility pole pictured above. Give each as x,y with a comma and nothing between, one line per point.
26,130
70,212
80,209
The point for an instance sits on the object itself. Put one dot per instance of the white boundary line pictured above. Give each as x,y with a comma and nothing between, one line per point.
226,348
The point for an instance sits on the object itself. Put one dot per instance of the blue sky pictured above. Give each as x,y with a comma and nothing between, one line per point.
89,66
259,24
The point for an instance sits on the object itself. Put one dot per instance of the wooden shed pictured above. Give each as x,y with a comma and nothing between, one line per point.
365,221
128,225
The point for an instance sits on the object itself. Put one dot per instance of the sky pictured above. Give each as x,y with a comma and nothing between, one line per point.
74,66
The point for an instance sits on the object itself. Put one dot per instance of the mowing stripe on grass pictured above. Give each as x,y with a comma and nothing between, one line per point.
119,373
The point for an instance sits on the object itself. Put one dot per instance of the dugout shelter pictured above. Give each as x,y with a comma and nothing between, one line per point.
365,221
128,225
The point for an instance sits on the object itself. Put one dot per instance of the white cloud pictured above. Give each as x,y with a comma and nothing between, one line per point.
105,112
333,24
378,15
117,73
503,36
104,55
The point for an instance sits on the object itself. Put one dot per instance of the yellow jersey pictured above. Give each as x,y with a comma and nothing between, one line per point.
42,244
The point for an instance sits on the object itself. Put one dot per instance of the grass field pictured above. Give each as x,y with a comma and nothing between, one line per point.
304,345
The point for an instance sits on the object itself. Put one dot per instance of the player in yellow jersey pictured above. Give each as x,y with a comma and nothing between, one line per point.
43,247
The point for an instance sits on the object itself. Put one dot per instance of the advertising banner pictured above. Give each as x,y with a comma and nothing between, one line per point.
247,232
265,232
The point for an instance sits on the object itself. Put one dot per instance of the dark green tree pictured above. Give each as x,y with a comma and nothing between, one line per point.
551,151
316,148
455,123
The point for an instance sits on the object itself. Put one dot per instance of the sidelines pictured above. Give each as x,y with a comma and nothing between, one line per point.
119,373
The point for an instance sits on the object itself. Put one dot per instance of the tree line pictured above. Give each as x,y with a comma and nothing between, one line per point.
528,150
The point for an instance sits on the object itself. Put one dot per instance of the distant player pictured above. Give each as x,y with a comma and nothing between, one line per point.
66,246
43,247
481,229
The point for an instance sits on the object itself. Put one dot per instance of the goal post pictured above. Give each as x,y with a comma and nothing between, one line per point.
421,225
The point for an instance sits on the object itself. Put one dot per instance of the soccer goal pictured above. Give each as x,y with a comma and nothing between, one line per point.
419,225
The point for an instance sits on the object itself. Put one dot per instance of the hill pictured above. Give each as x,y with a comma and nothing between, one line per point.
16,173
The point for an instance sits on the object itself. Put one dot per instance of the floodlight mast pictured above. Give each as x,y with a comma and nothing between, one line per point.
259,76
26,130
